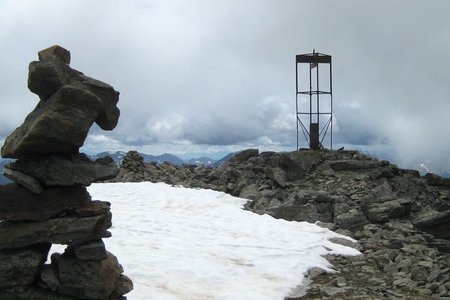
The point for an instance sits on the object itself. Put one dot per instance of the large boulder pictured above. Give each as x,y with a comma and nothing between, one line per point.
351,220
437,180
65,171
278,175
244,155
70,103
356,165
380,212
296,164
84,279
295,211
436,223
53,72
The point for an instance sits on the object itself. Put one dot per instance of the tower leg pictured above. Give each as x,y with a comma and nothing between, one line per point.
314,143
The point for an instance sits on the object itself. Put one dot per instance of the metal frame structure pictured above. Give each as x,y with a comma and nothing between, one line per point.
312,115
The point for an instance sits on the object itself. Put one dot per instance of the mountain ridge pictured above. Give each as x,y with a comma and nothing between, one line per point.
165,157
148,158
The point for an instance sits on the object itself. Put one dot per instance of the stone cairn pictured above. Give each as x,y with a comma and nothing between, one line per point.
48,202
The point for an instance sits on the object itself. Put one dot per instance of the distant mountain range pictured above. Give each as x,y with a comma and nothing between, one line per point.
223,159
166,157
119,155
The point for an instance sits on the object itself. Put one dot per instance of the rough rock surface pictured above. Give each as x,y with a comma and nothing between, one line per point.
65,230
400,219
48,203
56,50
91,279
31,207
21,267
28,182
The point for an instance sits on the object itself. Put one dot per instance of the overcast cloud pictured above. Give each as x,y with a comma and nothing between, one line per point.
209,76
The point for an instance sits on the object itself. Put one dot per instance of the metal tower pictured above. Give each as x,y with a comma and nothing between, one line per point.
314,102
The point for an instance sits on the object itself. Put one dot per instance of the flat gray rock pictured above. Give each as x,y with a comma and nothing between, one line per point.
383,211
19,204
65,171
436,223
66,230
355,165
28,182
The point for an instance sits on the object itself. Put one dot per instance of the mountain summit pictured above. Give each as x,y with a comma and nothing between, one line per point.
400,219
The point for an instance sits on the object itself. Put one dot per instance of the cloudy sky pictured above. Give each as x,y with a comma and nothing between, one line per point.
214,76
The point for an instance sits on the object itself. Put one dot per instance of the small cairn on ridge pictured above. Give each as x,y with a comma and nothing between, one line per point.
48,203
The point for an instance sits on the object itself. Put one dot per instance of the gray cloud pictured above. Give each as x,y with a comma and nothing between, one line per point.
200,74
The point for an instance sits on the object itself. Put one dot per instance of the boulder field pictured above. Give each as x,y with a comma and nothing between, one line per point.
400,219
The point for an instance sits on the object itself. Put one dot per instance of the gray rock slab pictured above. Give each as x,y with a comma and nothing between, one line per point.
383,211
352,219
355,165
436,223
21,267
278,175
28,182
249,192
65,171
19,204
66,230
307,212
295,164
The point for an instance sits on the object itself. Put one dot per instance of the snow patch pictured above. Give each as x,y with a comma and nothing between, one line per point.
179,243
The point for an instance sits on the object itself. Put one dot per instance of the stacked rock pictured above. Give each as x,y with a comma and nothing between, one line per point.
48,202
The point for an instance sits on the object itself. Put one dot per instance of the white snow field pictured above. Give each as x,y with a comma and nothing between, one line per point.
179,243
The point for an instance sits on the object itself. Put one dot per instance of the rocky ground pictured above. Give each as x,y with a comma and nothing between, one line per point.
400,219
